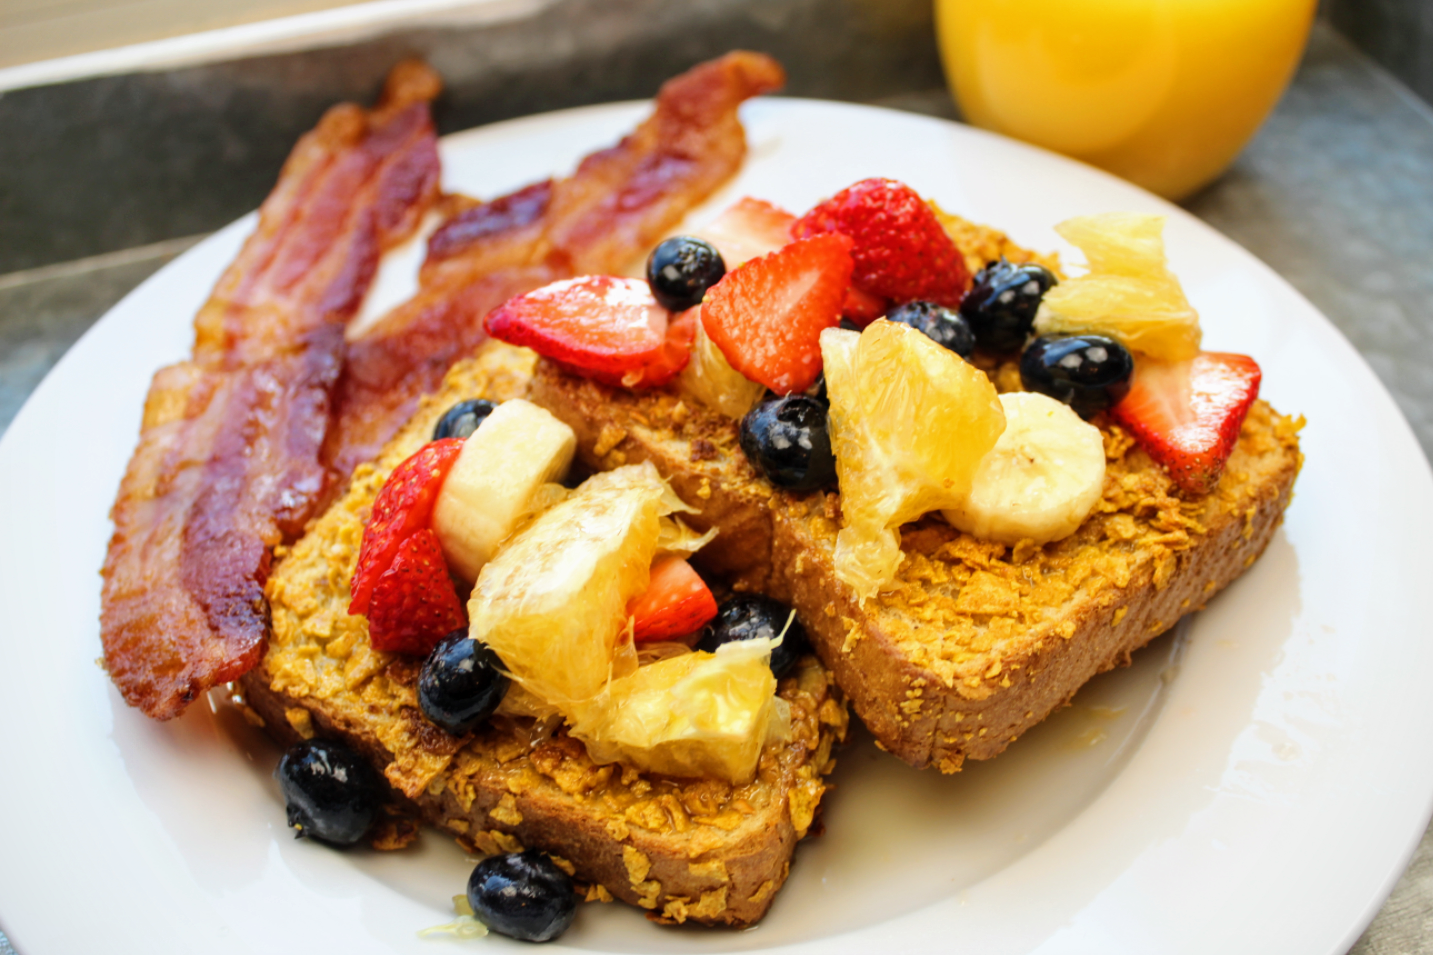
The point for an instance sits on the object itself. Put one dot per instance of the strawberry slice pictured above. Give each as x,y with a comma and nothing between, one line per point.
597,325
1187,414
403,506
677,603
863,308
414,603
901,252
670,360
676,352
768,315
748,229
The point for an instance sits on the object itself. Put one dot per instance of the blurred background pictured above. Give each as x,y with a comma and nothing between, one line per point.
129,129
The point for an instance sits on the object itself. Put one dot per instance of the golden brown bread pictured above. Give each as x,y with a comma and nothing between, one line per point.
978,641
683,849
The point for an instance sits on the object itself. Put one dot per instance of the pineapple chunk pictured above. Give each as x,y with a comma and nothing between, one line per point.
553,602
697,714
910,423
1129,293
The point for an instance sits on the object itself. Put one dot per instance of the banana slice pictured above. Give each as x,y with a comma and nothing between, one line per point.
494,483
1041,480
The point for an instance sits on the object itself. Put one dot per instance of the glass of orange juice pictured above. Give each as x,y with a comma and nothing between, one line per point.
1161,92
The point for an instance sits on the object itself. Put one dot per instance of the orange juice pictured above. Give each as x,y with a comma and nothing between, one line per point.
1161,92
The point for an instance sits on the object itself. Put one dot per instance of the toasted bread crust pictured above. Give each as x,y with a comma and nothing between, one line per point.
683,849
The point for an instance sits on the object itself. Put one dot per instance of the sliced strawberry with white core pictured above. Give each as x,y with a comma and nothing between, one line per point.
768,315
677,603
594,323
748,229
1187,414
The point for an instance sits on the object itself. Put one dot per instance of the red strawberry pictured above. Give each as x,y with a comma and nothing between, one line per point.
403,506
414,604
750,228
597,325
675,352
676,603
1187,414
767,316
863,308
901,251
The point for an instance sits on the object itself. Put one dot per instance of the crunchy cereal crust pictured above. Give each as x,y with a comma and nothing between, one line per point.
978,642
682,849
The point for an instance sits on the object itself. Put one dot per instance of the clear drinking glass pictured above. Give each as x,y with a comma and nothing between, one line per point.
1161,92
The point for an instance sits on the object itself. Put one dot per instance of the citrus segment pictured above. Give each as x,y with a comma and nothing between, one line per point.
697,714
910,422
553,602
1129,293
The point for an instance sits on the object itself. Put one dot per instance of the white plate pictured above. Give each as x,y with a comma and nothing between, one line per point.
1254,786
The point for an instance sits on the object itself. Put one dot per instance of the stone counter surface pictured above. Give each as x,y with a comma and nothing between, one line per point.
1335,193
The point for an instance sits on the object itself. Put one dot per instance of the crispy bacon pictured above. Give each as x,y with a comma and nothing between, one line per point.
616,205
228,460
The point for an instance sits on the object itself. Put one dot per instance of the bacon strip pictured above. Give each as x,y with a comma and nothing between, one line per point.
228,459
616,205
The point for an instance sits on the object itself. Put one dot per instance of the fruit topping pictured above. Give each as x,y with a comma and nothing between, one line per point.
1187,414
332,794
767,315
606,328
1002,304
553,601
677,603
786,439
697,714
710,379
751,228
756,617
1087,372
523,895
1042,478
910,422
403,506
461,683
941,325
901,251
461,420
414,602
1129,293
862,308
681,269
675,354
493,485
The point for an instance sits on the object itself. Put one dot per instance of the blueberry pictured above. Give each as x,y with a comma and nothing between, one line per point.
461,420
938,323
332,794
523,895
1002,304
681,269
1087,372
786,439
461,683
751,617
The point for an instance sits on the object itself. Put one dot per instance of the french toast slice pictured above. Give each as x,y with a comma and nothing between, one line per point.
978,641
681,848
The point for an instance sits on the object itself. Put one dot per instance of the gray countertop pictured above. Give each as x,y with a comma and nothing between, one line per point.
1335,193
